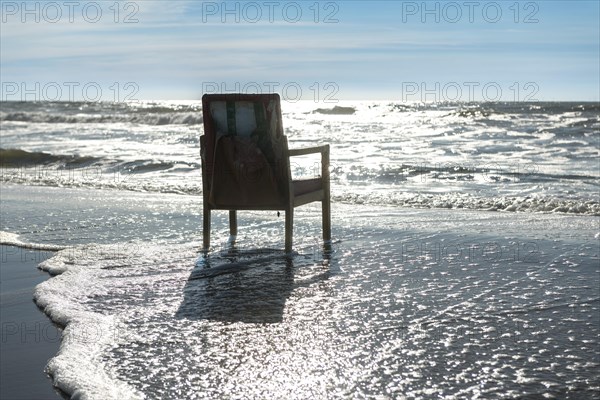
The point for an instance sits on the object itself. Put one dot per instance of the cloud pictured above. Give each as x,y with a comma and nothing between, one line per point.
174,42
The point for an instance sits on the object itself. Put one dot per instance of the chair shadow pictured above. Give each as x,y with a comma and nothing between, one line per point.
250,286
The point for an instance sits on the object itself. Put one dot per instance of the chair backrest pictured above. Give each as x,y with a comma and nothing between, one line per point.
244,151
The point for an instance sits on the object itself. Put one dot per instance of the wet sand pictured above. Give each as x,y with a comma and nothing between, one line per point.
412,302
29,339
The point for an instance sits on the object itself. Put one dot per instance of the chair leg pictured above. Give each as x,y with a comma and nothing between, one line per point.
289,228
206,228
233,222
326,210
326,202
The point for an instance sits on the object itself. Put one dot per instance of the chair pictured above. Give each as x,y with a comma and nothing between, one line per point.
246,163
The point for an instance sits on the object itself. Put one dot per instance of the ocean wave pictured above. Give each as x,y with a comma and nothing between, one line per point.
76,358
456,172
405,185
86,333
12,239
486,110
17,157
463,201
145,118
402,185
341,194
470,113
15,161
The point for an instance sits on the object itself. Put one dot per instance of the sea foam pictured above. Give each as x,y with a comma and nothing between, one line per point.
77,369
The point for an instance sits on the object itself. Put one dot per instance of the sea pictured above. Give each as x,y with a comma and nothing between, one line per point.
490,156
465,259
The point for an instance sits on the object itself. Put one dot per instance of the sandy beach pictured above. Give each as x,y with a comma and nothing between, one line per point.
509,299
29,338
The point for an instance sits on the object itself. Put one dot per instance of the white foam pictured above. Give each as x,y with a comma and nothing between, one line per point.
77,369
12,239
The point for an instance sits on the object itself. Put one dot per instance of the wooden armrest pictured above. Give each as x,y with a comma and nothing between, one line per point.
324,150
308,150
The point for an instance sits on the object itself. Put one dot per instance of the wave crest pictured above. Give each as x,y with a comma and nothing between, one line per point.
149,118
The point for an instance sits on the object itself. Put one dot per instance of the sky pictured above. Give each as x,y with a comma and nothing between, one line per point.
325,51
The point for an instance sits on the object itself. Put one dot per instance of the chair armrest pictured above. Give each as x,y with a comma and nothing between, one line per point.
308,150
324,150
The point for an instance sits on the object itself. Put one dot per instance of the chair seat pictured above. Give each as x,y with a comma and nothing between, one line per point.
307,186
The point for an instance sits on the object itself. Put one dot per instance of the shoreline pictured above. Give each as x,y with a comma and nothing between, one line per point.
29,337
412,277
